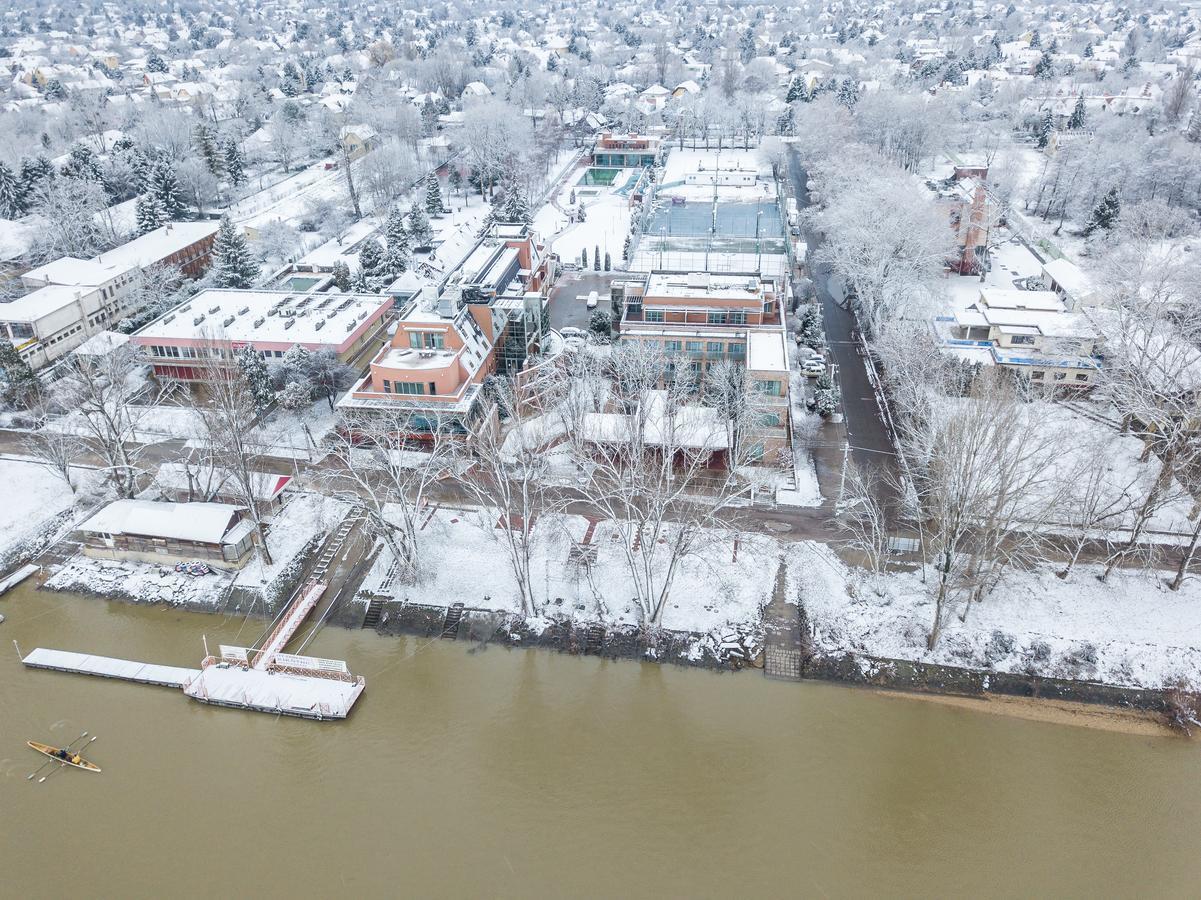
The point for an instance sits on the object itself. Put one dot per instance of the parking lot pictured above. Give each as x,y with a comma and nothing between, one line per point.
566,310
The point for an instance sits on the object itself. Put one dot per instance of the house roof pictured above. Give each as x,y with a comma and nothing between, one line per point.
205,523
265,485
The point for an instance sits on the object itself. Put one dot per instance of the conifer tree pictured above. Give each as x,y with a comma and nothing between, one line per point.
1105,213
1046,128
164,183
10,194
433,195
149,213
206,143
234,265
373,269
608,262
341,275
235,164
258,379
1076,122
420,233
19,386
596,258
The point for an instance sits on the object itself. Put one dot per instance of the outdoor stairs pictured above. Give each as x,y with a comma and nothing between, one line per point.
594,639
450,625
334,545
375,610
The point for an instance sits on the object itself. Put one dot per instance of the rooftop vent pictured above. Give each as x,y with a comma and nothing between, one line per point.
259,321
229,320
198,319
170,318
215,309
243,310
320,324
288,324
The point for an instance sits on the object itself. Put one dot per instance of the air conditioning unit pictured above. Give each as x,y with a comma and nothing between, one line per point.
259,321
229,320
170,318
288,324
320,323
243,310
273,311
215,309
198,319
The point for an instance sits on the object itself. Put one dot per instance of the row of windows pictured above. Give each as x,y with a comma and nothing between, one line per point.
1040,375
712,348
427,340
712,318
403,387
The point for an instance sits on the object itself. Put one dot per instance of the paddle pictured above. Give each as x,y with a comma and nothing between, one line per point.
30,776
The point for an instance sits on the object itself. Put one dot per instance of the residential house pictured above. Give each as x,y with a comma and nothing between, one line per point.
358,140
167,533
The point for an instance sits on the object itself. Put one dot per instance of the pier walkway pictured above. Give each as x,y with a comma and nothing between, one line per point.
109,667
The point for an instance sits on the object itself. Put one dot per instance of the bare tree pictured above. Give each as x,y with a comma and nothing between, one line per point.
227,416
506,477
57,452
376,465
863,520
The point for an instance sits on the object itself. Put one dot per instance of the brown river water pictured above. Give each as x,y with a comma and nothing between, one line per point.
513,773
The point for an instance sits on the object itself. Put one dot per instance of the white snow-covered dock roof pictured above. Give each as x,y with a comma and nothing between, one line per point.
204,523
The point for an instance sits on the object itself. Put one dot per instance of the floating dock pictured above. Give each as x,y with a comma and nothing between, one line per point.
264,680
108,667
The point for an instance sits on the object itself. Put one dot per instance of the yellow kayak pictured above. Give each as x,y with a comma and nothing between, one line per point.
53,753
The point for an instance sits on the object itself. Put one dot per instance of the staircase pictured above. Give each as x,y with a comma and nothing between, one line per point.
375,610
450,625
594,639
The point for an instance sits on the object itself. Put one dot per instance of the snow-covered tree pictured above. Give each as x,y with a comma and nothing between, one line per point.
233,264
235,162
1079,115
1105,214
341,275
373,267
328,375
1046,128
11,205
421,234
396,243
19,386
149,213
258,379
295,395
433,195
165,185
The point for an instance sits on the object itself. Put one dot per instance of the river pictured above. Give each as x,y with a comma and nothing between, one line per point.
517,773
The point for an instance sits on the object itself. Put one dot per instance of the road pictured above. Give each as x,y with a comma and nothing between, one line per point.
871,447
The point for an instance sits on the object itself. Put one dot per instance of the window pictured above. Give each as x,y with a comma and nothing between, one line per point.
715,348
736,318
1082,377
405,387
1060,376
768,388
415,340
654,315
769,420
717,318
1025,339
1036,376
435,341
671,346
693,346
387,386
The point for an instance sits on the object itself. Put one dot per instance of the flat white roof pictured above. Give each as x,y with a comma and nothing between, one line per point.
704,284
1011,298
765,352
205,523
261,317
157,245
41,303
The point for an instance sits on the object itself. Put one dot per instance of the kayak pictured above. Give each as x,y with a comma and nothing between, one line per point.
52,752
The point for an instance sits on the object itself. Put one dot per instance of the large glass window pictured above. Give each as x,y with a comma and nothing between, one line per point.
654,315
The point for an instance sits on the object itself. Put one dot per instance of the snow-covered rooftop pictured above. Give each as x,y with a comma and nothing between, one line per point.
206,523
268,317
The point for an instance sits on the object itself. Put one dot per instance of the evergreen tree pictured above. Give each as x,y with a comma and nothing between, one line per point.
1105,214
341,275
795,89
294,367
421,235
10,194
625,251
433,195
1088,50
513,206
373,266
258,379
848,93
1046,128
1045,67
580,214
235,163
155,63
233,263
19,386
206,144
825,395
295,395
1076,122
608,262
396,243
596,258
584,258
456,179
149,213
165,185
1036,39
1193,132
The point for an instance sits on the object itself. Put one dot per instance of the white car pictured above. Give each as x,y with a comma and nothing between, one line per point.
813,366
570,331
593,299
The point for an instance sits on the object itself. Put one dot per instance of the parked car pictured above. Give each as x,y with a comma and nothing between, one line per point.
593,299
570,331
813,366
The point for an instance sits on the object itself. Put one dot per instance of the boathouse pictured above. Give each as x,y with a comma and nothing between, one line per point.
149,531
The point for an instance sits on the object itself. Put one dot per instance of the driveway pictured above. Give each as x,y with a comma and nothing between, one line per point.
566,310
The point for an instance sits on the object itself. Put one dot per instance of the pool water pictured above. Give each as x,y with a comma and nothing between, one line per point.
596,176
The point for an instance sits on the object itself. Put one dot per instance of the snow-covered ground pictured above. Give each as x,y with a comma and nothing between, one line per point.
33,495
1129,631
684,162
606,218
714,589
141,582
303,517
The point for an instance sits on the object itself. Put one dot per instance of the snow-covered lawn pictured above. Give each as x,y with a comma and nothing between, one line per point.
606,222
465,564
1129,631
33,495
152,423
303,517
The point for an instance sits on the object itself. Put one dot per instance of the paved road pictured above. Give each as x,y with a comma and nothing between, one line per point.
871,447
